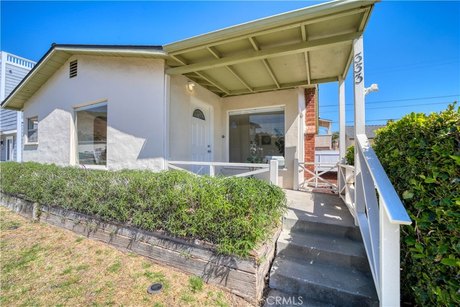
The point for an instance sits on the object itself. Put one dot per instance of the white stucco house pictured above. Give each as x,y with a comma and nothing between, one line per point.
236,95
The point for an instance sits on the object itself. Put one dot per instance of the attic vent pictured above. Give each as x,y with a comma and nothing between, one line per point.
73,69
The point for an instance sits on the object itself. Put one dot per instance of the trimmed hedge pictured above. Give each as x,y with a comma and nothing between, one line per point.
235,214
421,155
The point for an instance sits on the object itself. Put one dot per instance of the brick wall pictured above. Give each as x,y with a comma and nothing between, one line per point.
310,127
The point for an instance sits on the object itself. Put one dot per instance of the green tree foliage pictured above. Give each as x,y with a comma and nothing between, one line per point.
235,214
350,155
421,155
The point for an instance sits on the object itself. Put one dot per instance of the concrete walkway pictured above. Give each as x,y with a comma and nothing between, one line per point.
320,258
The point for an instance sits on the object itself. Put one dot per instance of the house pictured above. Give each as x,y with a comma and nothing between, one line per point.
370,132
241,99
238,95
12,70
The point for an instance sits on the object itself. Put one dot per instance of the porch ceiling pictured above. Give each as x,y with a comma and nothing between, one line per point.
299,48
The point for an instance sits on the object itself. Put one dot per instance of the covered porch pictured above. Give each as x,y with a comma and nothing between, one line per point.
273,66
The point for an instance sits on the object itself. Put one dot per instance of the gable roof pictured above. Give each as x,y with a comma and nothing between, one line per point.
58,54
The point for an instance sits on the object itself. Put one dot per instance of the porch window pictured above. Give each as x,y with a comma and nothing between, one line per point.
257,135
32,130
91,124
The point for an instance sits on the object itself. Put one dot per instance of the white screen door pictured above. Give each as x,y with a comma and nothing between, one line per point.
201,134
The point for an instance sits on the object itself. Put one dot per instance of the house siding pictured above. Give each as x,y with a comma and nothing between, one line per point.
134,91
180,118
11,74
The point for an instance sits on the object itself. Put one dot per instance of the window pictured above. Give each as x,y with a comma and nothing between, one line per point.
92,134
32,130
256,135
198,114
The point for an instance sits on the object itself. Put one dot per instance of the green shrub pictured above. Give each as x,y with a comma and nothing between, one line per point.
421,155
350,155
235,214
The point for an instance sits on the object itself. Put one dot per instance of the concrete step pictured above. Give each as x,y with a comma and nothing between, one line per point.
323,248
326,283
300,224
279,298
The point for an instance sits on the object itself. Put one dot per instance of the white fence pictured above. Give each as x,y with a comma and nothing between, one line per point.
228,169
315,178
378,212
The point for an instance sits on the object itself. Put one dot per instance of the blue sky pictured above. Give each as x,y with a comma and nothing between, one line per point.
411,48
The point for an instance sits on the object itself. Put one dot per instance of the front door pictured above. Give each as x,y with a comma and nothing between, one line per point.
201,134
9,148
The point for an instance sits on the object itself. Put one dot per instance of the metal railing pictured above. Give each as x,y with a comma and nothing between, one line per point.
379,213
237,169
19,61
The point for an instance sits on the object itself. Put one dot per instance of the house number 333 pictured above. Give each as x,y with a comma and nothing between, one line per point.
358,68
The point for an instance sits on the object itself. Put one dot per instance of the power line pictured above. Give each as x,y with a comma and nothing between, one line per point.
399,106
395,100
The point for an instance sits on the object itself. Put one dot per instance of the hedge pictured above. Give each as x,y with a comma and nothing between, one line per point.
421,155
234,214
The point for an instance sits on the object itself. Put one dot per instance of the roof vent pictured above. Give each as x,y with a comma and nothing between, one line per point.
73,69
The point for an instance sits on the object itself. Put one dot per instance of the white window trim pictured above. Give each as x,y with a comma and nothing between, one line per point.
82,107
253,110
27,131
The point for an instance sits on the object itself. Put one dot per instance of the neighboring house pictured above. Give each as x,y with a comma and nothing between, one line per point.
12,70
370,132
326,152
242,94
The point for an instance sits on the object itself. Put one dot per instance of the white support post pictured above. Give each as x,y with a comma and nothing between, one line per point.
212,170
296,174
19,126
389,260
274,172
342,141
358,85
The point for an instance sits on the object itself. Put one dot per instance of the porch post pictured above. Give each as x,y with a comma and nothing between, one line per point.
342,141
359,121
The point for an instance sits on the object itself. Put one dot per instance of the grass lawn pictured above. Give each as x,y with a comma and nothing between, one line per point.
42,265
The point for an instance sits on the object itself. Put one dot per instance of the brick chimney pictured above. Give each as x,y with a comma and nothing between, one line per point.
310,127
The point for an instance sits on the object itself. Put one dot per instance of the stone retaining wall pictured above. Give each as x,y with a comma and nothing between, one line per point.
243,277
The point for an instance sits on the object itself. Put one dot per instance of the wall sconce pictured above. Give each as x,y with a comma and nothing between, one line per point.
190,86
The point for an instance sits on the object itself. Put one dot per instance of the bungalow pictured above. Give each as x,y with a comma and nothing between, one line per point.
236,95
221,103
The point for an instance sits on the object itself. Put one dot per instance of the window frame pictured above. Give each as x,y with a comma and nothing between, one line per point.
28,141
252,110
85,107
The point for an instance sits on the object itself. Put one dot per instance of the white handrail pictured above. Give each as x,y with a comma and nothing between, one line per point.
394,208
379,212
253,168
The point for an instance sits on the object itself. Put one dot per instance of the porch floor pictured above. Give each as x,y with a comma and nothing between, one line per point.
317,207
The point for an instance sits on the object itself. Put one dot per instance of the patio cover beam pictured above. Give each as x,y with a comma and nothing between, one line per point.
210,41
267,53
203,76
256,47
216,54
303,31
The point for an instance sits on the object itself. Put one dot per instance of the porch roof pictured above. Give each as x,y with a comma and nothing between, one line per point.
58,54
299,48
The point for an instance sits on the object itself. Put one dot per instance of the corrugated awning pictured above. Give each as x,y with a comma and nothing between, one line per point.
299,48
